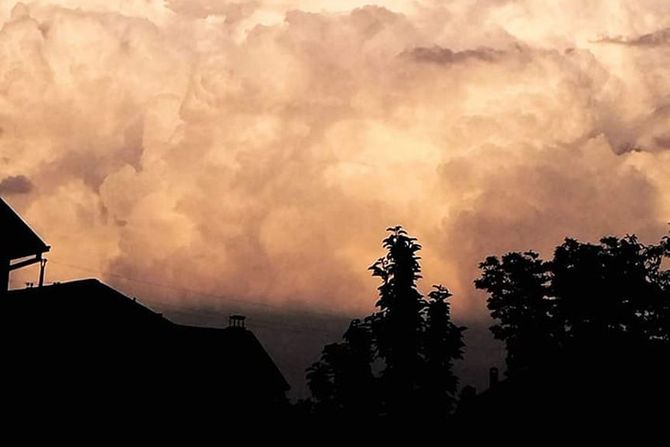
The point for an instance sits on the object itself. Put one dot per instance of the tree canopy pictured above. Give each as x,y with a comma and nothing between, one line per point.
611,295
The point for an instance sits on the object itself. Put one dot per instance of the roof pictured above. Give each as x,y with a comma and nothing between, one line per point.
17,239
238,345
70,317
78,303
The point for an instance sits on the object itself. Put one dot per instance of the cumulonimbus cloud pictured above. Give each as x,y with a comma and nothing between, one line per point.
258,149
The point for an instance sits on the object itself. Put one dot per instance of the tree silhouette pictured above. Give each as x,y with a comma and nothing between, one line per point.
443,343
616,290
341,382
587,336
400,322
605,298
411,338
519,298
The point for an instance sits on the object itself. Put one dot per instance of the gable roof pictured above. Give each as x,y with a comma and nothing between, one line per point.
17,239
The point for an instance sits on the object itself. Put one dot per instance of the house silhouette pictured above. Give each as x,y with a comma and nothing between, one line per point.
17,242
84,343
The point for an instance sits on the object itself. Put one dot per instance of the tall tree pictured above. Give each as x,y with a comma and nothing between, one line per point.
400,322
413,340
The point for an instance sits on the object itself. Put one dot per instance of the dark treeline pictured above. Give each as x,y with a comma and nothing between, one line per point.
587,335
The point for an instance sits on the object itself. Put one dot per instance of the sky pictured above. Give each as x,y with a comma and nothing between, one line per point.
201,153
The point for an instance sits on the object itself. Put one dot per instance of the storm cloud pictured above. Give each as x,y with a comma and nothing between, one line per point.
17,184
258,150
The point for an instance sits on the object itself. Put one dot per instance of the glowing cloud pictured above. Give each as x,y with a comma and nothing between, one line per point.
258,149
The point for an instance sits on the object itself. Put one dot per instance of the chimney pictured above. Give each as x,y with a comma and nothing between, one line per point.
236,321
493,377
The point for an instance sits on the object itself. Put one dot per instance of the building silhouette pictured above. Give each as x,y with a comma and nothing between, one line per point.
84,343
18,242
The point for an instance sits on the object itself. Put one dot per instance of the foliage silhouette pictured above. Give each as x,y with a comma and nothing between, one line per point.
443,343
587,336
411,341
342,381
589,295
518,287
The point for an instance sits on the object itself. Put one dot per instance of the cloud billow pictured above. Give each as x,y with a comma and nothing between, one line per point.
15,184
259,149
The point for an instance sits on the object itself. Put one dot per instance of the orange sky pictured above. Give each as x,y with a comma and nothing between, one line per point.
258,149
